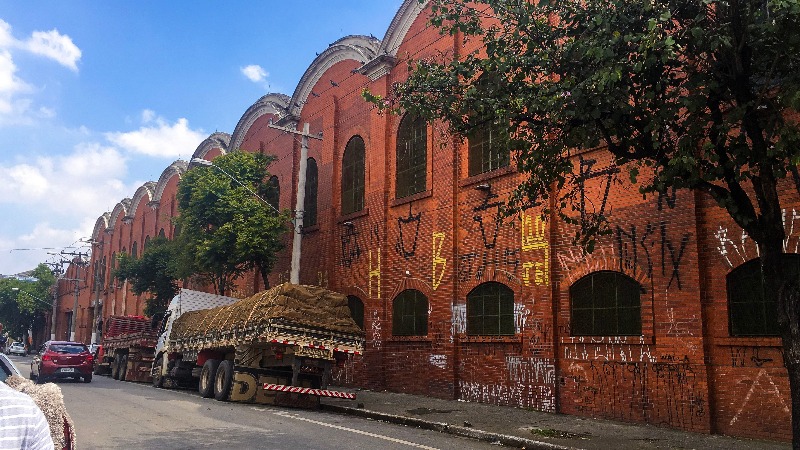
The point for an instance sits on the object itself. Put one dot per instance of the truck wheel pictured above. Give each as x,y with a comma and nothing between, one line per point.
115,367
208,378
123,367
158,379
223,381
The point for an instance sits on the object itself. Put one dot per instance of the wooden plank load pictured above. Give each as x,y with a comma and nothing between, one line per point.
307,316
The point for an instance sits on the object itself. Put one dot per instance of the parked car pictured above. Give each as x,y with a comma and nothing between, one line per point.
16,348
7,368
62,359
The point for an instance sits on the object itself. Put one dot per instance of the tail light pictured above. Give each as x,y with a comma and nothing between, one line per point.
46,357
89,358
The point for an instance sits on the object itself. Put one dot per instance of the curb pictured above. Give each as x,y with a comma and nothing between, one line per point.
487,436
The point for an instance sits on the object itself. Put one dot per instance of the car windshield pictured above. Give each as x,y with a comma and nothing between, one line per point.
68,348
16,344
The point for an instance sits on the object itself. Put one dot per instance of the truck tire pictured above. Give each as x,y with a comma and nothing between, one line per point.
123,367
158,379
223,381
208,378
115,367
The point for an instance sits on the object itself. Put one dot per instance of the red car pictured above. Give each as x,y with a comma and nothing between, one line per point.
61,359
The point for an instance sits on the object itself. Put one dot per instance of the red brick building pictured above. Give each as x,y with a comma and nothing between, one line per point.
457,303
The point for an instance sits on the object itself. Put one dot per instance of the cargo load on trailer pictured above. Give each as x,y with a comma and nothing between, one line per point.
127,348
253,349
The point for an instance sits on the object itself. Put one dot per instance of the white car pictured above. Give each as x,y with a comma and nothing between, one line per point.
16,348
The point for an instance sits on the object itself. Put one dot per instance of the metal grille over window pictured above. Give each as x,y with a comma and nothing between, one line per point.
410,314
412,156
353,176
490,310
310,200
606,303
749,312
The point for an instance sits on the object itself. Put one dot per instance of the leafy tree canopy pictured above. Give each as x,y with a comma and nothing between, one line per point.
225,226
155,272
22,301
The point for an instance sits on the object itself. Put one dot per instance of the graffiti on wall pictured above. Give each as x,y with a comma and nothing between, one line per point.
586,173
376,330
534,238
351,245
408,232
475,266
762,386
736,247
527,382
375,274
439,263
629,390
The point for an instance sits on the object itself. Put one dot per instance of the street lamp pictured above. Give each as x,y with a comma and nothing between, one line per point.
50,304
205,162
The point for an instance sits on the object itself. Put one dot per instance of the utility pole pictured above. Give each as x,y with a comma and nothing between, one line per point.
57,270
294,275
79,257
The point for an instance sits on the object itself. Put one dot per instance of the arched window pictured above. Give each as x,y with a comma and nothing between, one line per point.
273,192
488,139
490,310
606,303
353,176
412,156
750,313
104,272
134,250
161,233
410,314
310,200
146,243
356,309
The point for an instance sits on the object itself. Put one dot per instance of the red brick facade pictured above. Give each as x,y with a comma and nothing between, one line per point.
684,371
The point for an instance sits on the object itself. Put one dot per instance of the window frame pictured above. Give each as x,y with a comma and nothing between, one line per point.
312,190
411,156
600,325
410,309
273,196
353,175
356,306
768,326
479,321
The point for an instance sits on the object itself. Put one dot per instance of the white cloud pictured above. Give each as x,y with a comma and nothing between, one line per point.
159,138
54,200
255,73
10,86
56,46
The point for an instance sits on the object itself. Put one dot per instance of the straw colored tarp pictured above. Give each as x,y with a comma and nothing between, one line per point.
296,305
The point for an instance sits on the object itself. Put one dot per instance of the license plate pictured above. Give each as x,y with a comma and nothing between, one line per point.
67,370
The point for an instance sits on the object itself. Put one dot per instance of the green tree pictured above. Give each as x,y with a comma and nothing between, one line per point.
683,93
24,303
225,226
155,272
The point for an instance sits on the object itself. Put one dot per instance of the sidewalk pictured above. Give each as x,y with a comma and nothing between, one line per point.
521,428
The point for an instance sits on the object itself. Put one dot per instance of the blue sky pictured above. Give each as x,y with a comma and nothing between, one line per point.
97,98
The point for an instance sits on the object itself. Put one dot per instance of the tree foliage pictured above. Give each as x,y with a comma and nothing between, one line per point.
225,226
22,302
155,272
691,94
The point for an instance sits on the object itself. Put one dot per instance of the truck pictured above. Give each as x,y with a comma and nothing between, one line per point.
127,349
278,346
129,342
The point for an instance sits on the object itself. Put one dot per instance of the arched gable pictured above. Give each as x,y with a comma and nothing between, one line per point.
276,104
217,140
100,226
120,212
400,25
145,192
176,169
361,49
